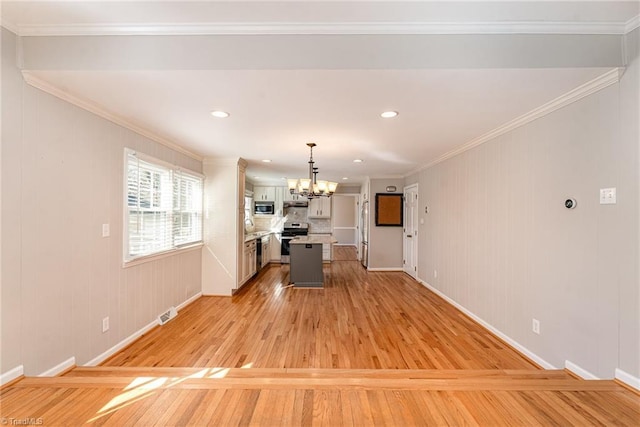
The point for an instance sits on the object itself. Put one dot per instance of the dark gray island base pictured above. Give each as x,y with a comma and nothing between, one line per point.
305,266
306,260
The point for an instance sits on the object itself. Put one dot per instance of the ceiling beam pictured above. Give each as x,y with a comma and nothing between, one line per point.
320,52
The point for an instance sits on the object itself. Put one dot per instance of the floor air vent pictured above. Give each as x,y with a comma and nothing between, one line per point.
168,315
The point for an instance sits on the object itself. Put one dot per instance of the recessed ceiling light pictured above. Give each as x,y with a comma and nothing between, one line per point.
256,177
220,114
389,114
357,161
266,160
345,178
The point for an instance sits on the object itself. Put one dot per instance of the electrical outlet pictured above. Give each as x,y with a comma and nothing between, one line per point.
535,326
105,324
435,273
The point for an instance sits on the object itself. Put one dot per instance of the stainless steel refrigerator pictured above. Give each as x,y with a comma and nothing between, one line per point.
364,237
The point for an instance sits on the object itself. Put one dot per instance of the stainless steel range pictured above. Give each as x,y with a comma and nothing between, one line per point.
291,230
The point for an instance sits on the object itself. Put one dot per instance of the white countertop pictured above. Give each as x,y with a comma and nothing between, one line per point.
320,239
256,235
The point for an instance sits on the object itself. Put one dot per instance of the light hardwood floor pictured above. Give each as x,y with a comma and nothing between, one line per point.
368,349
345,253
359,320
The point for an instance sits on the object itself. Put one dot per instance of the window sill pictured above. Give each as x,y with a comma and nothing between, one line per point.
155,257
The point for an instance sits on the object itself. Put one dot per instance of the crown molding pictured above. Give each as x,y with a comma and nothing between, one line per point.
99,110
607,79
9,26
632,24
324,28
386,177
225,161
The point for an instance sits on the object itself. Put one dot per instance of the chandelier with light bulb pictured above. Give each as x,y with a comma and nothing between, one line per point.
311,187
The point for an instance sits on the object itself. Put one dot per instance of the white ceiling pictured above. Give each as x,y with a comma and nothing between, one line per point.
356,60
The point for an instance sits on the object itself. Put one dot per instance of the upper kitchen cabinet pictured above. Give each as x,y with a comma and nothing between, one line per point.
288,197
264,194
320,208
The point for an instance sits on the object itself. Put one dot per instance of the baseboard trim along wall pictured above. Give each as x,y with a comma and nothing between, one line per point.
384,269
59,368
582,373
122,344
11,375
628,379
189,301
131,338
525,351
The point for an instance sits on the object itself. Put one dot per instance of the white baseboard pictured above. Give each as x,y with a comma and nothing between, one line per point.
125,342
628,379
11,375
189,301
384,269
59,368
522,349
122,344
582,373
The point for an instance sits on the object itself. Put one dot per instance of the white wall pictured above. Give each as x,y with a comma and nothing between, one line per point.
220,258
344,218
62,178
630,136
507,249
385,243
11,350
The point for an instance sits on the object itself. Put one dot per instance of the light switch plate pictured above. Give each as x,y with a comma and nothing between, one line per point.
608,196
105,230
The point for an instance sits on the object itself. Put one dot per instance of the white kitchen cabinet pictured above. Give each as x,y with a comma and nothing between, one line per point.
327,248
264,194
276,247
266,249
278,207
319,208
249,260
288,197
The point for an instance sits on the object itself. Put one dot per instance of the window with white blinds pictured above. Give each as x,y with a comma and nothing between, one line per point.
163,209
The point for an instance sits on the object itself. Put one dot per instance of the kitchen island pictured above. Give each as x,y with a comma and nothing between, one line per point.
306,260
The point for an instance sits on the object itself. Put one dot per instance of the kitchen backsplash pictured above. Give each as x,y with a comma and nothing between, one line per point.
268,223
293,214
319,226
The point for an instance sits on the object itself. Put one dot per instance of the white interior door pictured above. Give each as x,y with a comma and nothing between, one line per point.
410,227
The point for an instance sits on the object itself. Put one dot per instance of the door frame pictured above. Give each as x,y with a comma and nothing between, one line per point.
411,270
356,219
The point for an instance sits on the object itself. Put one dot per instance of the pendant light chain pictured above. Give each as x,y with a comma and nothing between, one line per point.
310,187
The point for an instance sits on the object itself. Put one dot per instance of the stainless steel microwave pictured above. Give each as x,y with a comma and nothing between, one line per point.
264,208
